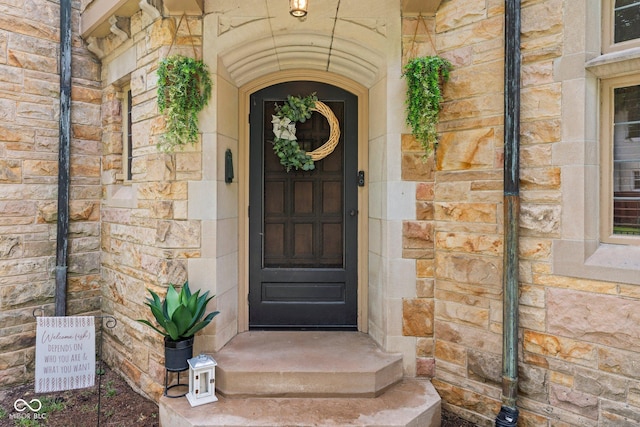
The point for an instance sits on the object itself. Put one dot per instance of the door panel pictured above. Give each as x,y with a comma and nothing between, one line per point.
302,225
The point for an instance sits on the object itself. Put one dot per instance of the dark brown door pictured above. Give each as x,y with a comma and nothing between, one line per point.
303,225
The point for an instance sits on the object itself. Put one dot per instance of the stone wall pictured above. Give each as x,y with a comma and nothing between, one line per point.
579,338
29,112
146,236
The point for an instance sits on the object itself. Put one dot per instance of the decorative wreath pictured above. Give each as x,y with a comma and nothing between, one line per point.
285,144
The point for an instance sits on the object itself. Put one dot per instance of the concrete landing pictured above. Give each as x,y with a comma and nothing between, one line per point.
411,403
290,378
309,363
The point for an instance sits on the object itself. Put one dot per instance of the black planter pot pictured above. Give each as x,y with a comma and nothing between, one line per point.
176,354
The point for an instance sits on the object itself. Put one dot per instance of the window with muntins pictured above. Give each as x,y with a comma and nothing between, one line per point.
626,20
621,159
626,160
621,25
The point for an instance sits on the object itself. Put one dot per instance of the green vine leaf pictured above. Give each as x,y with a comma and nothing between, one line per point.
425,76
184,89
285,146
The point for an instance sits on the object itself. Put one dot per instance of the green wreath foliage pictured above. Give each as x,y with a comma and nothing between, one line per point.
285,146
184,89
424,76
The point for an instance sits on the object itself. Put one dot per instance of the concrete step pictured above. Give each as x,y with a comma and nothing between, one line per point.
292,378
309,363
410,403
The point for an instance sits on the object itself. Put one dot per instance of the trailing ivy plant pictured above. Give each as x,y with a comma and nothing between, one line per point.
425,76
294,109
184,89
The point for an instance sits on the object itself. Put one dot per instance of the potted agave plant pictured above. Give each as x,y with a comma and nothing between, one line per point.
179,316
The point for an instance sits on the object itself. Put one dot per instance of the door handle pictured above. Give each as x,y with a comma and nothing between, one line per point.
353,212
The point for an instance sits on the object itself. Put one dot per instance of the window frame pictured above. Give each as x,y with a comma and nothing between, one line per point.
607,87
126,104
608,29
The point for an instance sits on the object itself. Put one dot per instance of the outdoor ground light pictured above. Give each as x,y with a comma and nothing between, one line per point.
202,380
298,8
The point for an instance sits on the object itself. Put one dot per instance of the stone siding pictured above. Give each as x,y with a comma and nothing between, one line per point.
580,339
146,236
29,123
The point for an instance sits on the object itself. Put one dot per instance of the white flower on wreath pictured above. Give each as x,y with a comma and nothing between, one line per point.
284,128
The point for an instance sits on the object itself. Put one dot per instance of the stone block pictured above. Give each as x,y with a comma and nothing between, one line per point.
33,249
29,61
466,150
530,419
469,400
468,336
602,319
540,220
540,178
424,347
84,263
417,235
575,401
576,284
417,317
532,318
424,268
466,212
424,211
540,131
469,269
85,166
470,243
456,192
462,313
619,362
10,171
178,234
601,384
533,382
532,295
425,367
424,191
424,288
485,367
10,247
7,110
450,352
84,210
633,397
415,167
561,378
560,347
162,190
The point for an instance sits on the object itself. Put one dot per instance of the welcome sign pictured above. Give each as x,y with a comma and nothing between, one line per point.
65,353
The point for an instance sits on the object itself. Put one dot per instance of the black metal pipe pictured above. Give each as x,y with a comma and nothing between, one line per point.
508,415
62,234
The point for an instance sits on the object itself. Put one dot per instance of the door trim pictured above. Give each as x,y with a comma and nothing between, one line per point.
243,183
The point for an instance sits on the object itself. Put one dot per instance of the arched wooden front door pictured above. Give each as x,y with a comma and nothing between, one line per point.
303,240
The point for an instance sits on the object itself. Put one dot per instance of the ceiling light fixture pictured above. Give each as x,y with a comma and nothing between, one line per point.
298,8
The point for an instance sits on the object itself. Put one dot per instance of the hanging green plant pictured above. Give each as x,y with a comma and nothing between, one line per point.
184,89
425,76
285,144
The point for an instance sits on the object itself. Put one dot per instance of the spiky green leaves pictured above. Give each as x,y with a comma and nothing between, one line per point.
181,313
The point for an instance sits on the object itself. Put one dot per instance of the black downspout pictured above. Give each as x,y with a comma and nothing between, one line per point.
508,415
63,162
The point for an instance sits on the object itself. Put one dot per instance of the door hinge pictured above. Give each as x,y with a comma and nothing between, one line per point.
248,211
360,178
